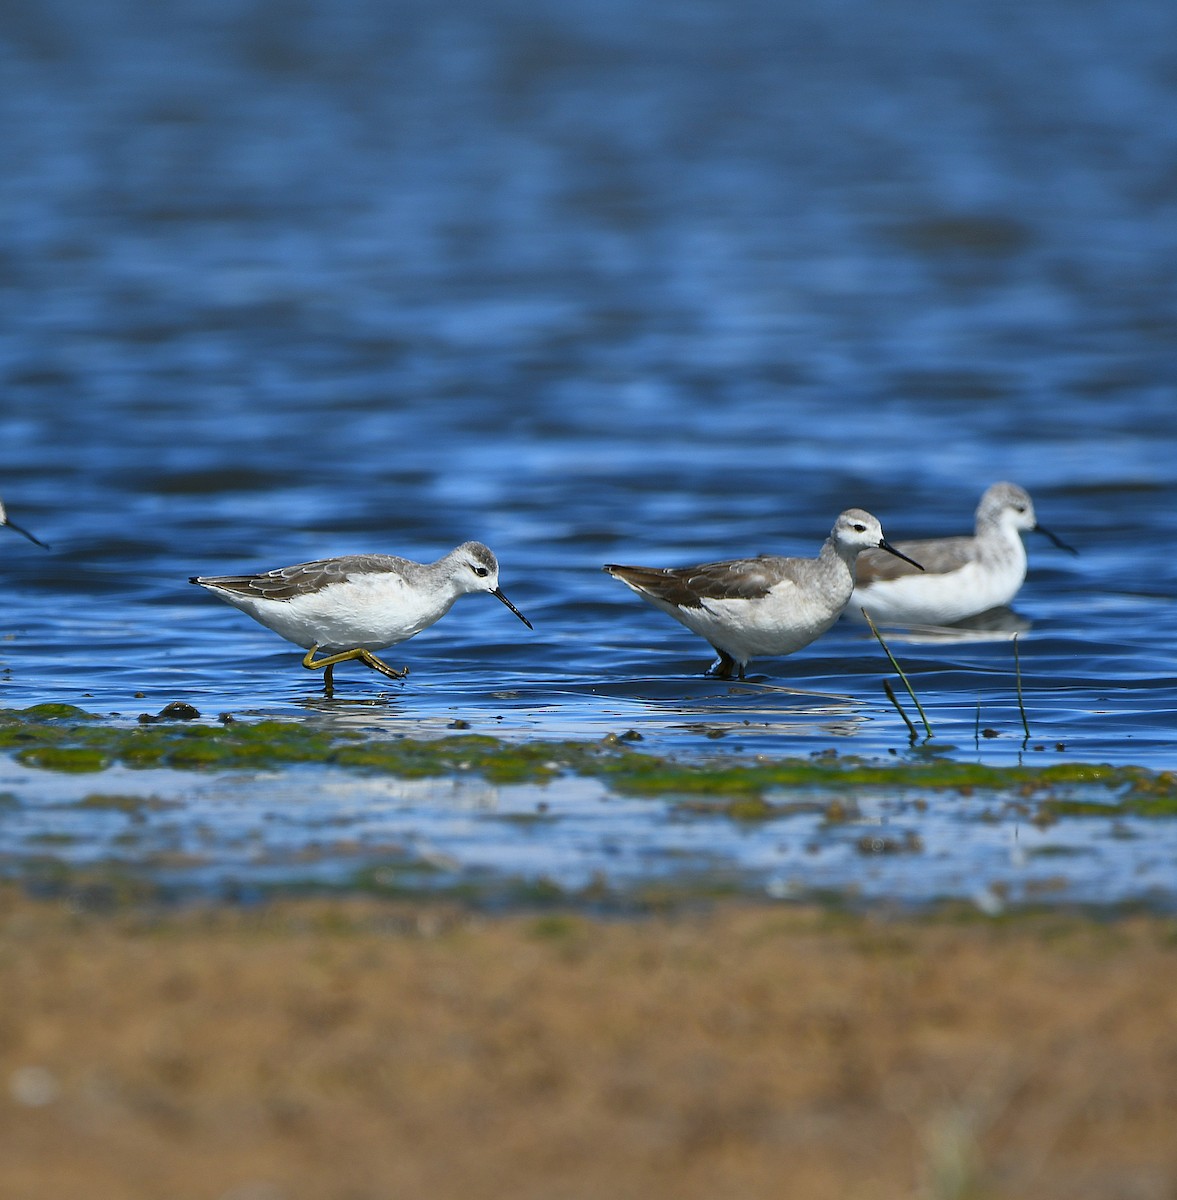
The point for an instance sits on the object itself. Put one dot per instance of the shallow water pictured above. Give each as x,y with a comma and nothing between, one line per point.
241,834
590,285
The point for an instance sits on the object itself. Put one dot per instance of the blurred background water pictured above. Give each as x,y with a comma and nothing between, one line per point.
589,282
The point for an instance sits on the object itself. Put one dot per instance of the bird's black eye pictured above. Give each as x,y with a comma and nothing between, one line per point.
860,529
481,572
1019,508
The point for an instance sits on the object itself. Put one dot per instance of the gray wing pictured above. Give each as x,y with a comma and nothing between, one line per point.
938,556
689,587
286,582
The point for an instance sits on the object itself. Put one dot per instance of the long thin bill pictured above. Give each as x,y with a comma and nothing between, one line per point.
498,595
25,533
1058,541
885,545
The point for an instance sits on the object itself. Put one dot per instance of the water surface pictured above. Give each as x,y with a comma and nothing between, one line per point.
590,285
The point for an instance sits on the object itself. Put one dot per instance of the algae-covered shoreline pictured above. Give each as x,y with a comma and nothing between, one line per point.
65,738
114,809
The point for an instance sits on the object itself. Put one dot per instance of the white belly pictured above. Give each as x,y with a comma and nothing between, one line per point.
940,599
779,623
366,612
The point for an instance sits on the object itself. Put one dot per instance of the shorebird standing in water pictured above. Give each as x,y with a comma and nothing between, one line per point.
347,608
963,576
761,606
24,532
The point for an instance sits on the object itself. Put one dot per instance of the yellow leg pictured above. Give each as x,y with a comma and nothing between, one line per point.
365,656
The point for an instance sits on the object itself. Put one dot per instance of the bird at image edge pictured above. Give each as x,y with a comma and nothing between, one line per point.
4,521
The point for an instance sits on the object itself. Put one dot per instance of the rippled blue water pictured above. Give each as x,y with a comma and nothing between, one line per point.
589,283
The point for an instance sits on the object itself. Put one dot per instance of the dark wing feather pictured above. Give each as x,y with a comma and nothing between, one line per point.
937,556
690,587
303,578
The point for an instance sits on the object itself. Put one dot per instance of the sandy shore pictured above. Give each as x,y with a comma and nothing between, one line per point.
319,1050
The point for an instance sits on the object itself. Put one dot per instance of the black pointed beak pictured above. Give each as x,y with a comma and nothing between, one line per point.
885,545
1058,541
25,533
498,595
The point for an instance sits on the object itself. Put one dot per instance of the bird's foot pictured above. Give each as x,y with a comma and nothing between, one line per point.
327,664
378,664
725,667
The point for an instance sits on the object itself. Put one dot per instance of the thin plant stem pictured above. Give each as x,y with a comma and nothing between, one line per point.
913,733
1018,680
899,670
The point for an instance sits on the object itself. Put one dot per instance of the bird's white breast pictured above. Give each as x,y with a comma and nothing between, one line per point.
784,620
369,612
942,599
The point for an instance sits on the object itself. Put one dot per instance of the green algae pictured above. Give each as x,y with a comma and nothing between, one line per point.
63,758
135,807
66,739
50,712
740,808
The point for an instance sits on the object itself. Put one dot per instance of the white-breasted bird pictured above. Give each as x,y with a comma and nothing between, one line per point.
766,605
962,576
349,607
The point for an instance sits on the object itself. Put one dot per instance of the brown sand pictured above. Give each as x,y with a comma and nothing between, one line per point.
355,1051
